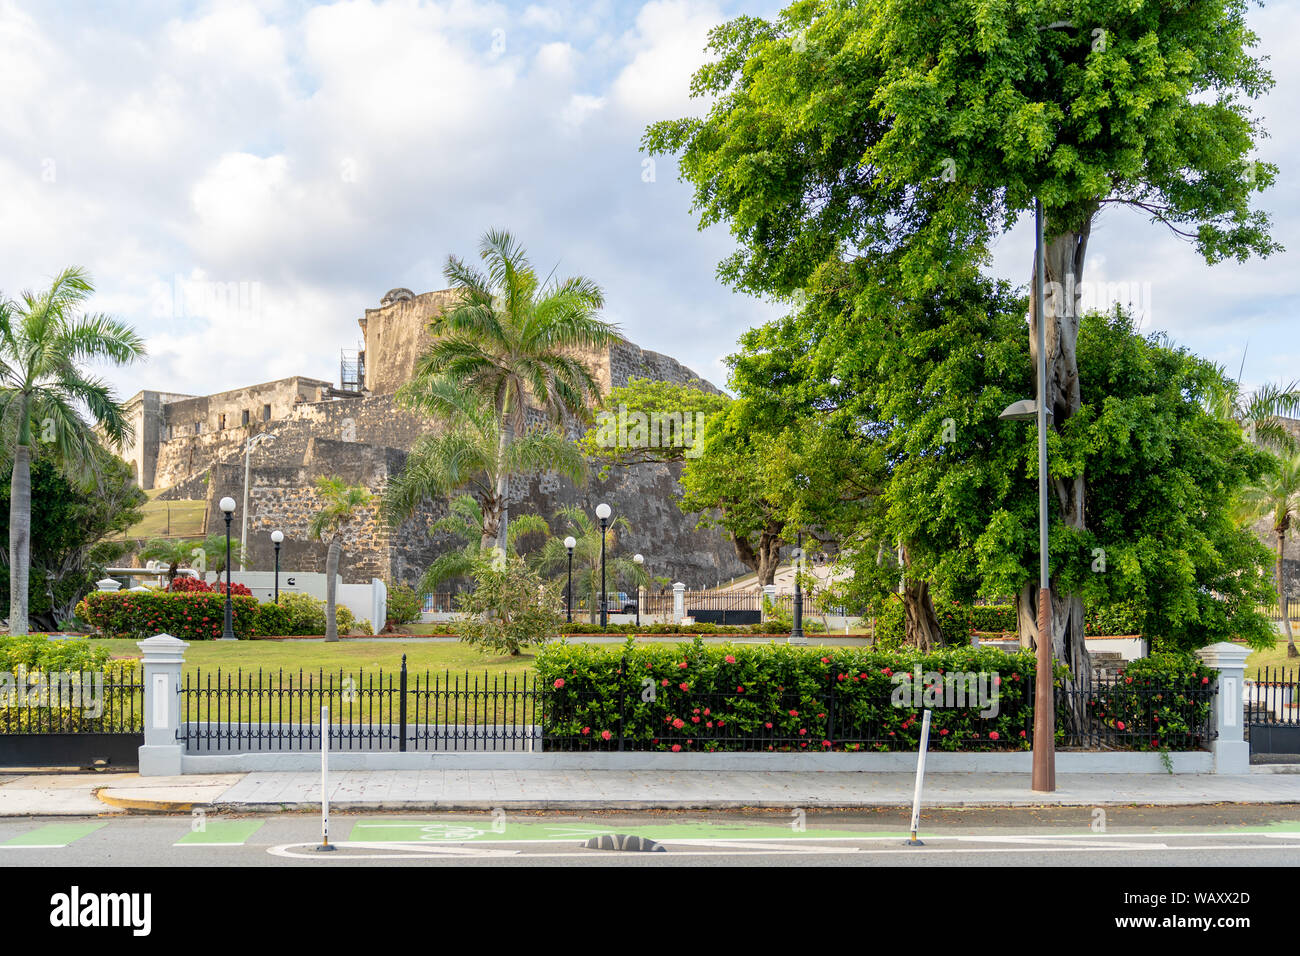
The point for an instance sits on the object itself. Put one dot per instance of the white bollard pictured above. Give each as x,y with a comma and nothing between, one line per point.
324,779
920,778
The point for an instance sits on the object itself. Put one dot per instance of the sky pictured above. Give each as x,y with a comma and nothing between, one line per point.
242,180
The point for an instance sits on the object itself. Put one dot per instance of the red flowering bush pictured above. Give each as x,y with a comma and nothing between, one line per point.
184,584
191,617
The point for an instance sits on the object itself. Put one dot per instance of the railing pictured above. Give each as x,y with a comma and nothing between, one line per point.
386,711
1273,697
1271,610
439,602
107,701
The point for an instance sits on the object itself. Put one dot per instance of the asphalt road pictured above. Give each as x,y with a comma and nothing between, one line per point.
1222,835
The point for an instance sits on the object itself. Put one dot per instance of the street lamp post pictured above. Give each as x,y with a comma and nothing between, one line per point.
603,512
640,560
227,506
569,544
277,537
796,632
1043,778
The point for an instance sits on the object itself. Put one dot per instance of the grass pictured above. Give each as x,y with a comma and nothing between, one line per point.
170,519
1274,657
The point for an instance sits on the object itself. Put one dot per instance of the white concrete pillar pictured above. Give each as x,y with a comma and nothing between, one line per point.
108,584
679,602
164,656
1231,750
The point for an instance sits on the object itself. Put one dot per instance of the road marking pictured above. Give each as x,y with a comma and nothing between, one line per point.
52,836
406,851
483,831
221,833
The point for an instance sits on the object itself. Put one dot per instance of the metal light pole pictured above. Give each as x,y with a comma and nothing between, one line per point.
277,537
569,544
603,512
796,633
252,442
227,506
1043,778
640,560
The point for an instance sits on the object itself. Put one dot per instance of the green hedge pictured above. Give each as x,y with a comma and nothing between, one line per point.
113,703
668,695
189,617
299,615
1122,618
745,688
957,620
767,627
38,652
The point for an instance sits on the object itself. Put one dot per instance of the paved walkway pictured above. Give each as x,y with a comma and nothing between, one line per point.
81,794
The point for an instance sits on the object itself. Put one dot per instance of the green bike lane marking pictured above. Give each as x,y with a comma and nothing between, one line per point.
465,831
221,833
52,836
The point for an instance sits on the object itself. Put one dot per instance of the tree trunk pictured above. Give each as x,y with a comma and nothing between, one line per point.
331,597
1063,258
1281,599
492,522
20,535
922,623
503,483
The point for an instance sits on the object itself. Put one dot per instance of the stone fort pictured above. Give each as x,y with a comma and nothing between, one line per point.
193,447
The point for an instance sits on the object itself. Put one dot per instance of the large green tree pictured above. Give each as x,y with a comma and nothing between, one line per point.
76,532
515,340
845,130
46,393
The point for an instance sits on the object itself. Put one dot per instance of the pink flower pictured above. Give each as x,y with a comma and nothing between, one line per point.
586,730
1119,724
768,725
605,735
559,682
826,660
681,666
679,723
730,659
684,686
993,735
695,720
677,748
794,713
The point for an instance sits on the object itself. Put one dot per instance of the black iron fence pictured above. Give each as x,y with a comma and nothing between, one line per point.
72,719
1272,704
277,711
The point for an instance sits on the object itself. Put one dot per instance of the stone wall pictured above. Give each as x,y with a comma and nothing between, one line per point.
396,334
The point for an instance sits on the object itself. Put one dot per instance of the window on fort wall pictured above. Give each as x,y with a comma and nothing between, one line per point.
266,413
244,417
221,422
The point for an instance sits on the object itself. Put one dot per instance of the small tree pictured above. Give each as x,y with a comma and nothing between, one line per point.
341,502
510,608
464,521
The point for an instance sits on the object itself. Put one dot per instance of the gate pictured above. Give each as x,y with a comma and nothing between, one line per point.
1272,715
84,720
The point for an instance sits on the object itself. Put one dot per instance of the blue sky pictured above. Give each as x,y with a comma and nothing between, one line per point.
244,179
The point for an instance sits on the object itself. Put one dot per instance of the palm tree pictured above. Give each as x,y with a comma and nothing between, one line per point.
43,390
340,504
512,340
206,555
1261,414
586,556
1277,495
471,453
465,521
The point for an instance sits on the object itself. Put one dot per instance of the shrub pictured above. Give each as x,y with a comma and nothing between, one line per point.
1151,701
306,615
891,625
37,652
774,691
184,584
995,618
1124,617
510,607
98,697
272,620
403,605
190,617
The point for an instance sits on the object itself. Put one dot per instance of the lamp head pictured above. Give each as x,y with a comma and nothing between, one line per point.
639,559
277,536
570,542
227,505
603,511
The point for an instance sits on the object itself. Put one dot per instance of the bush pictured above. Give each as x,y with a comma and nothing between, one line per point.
184,584
37,652
773,691
995,618
404,605
891,625
1152,701
99,696
272,620
510,608
306,616
189,617
1124,617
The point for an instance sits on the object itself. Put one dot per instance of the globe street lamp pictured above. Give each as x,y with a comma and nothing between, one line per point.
227,506
277,537
603,512
569,543
640,560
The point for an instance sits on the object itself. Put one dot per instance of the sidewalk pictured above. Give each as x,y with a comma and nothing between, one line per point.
88,794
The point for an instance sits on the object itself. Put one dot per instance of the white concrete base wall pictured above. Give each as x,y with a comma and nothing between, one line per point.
1019,762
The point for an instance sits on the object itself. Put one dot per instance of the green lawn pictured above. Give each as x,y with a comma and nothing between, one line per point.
1276,657
347,655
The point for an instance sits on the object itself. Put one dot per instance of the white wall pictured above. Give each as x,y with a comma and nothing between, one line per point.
357,598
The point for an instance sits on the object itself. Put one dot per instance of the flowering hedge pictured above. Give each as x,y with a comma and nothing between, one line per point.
190,617
694,697
184,584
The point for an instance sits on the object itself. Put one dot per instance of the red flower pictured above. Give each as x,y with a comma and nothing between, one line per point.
826,743
1205,680
802,731
676,748
663,683
586,730
730,659
706,712
739,689
605,735
684,686
1119,724
679,723
826,660
768,725
794,713
695,720
709,724
681,666
1022,733
559,682
944,732
993,735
